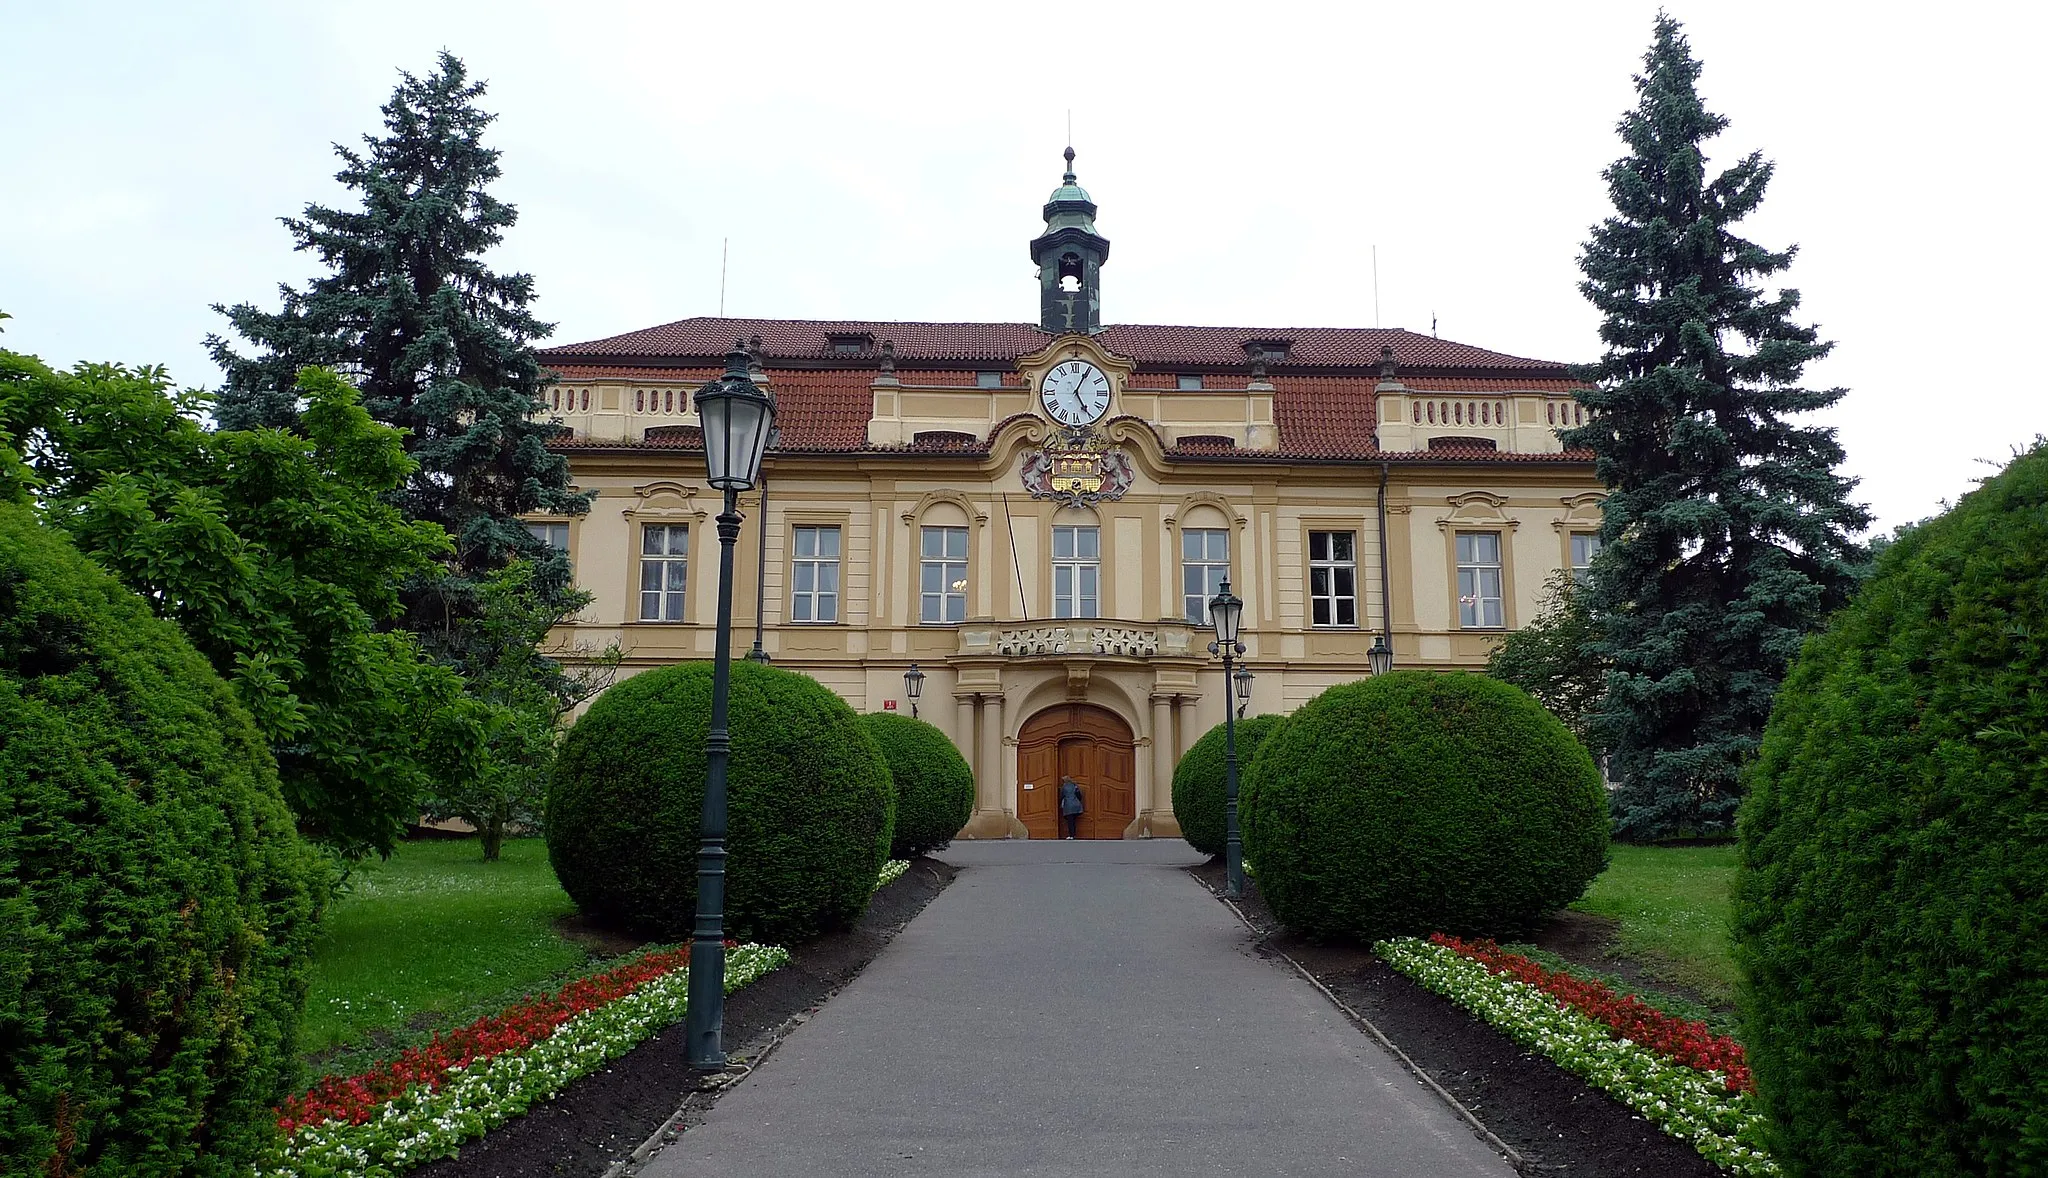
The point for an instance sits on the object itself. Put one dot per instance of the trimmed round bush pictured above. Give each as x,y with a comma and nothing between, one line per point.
1419,802
1890,913
156,903
1198,781
811,805
934,783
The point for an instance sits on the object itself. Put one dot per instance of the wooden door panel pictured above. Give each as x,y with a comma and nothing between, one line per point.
1092,746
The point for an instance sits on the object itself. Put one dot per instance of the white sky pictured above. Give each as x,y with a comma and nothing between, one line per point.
889,161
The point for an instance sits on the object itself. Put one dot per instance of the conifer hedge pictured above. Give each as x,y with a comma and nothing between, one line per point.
1419,802
156,905
934,783
1199,781
812,805
1889,909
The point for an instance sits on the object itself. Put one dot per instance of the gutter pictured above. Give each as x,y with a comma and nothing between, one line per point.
1386,577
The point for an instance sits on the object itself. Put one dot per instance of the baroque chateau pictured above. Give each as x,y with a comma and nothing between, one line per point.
1035,515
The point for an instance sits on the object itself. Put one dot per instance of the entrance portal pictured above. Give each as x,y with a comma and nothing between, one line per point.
1092,746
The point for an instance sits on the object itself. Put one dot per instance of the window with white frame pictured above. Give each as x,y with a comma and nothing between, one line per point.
664,564
815,574
942,576
1076,571
1333,578
1204,566
1585,546
1479,581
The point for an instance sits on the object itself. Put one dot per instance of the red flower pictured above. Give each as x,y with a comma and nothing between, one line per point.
1625,1016
355,1099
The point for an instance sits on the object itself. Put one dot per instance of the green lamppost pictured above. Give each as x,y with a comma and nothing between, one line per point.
1225,613
1381,656
737,416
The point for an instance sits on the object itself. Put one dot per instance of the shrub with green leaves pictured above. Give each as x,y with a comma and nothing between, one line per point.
1889,909
1420,802
812,806
156,904
1199,780
934,783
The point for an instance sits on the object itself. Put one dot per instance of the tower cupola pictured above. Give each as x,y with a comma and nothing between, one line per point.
1070,254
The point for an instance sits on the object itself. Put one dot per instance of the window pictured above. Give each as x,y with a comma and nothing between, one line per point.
1076,571
556,536
942,583
988,380
1188,383
664,561
816,597
1333,578
1585,546
1204,566
1479,596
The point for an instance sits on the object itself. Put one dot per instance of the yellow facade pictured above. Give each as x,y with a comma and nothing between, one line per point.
1202,461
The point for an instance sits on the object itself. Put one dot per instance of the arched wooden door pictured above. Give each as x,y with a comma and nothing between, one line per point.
1092,746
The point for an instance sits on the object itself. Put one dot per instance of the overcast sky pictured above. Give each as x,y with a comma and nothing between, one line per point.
888,162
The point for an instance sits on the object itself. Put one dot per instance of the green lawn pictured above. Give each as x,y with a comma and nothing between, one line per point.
431,936
1674,905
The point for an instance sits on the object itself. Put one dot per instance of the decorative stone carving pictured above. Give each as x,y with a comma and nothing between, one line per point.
1077,468
1126,641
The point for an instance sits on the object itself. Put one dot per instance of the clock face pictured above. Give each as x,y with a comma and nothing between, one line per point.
1075,393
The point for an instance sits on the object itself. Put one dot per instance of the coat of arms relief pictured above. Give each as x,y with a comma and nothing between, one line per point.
1077,467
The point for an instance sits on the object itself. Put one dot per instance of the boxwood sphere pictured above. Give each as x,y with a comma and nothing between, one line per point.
1198,781
810,801
1890,916
1418,802
934,784
156,904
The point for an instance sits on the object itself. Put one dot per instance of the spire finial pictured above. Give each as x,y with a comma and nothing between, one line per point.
1069,177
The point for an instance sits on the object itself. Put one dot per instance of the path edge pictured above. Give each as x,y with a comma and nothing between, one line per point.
1514,1158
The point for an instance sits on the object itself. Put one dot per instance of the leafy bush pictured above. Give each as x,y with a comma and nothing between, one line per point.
1889,912
811,802
1199,785
1420,802
156,906
934,783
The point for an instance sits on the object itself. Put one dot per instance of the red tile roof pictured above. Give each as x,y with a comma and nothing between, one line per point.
824,406
1151,345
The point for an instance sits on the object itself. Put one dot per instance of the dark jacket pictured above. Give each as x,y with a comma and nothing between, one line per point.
1070,797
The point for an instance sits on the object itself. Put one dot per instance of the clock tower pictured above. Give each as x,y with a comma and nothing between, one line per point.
1070,254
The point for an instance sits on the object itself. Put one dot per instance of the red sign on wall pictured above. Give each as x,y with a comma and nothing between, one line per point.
888,705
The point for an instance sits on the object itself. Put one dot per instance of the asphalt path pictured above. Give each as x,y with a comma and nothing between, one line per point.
1078,1008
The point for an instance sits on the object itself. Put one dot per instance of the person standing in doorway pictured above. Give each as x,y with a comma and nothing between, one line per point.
1070,806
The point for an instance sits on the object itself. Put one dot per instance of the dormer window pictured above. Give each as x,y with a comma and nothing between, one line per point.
849,343
1188,384
1271,351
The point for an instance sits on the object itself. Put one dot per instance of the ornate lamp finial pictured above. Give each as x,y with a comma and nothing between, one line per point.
1069,177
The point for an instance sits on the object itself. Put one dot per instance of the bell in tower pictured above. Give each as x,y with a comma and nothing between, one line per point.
1070,254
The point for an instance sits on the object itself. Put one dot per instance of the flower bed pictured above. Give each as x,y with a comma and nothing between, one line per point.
1566,1020
891,872
432,1098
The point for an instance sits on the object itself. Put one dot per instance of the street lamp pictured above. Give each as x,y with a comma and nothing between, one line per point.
913,686
737,416
758,655
1244,688
1225,612
1381,656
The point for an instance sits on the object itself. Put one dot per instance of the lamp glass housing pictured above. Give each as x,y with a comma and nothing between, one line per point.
1244,681
1225,613
737,417
913,682
1381,655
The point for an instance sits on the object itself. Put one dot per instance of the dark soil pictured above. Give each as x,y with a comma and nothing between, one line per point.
602,940
1556,1121
606,1115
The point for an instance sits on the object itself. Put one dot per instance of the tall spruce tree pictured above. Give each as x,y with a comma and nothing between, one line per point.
1727,530
438,343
